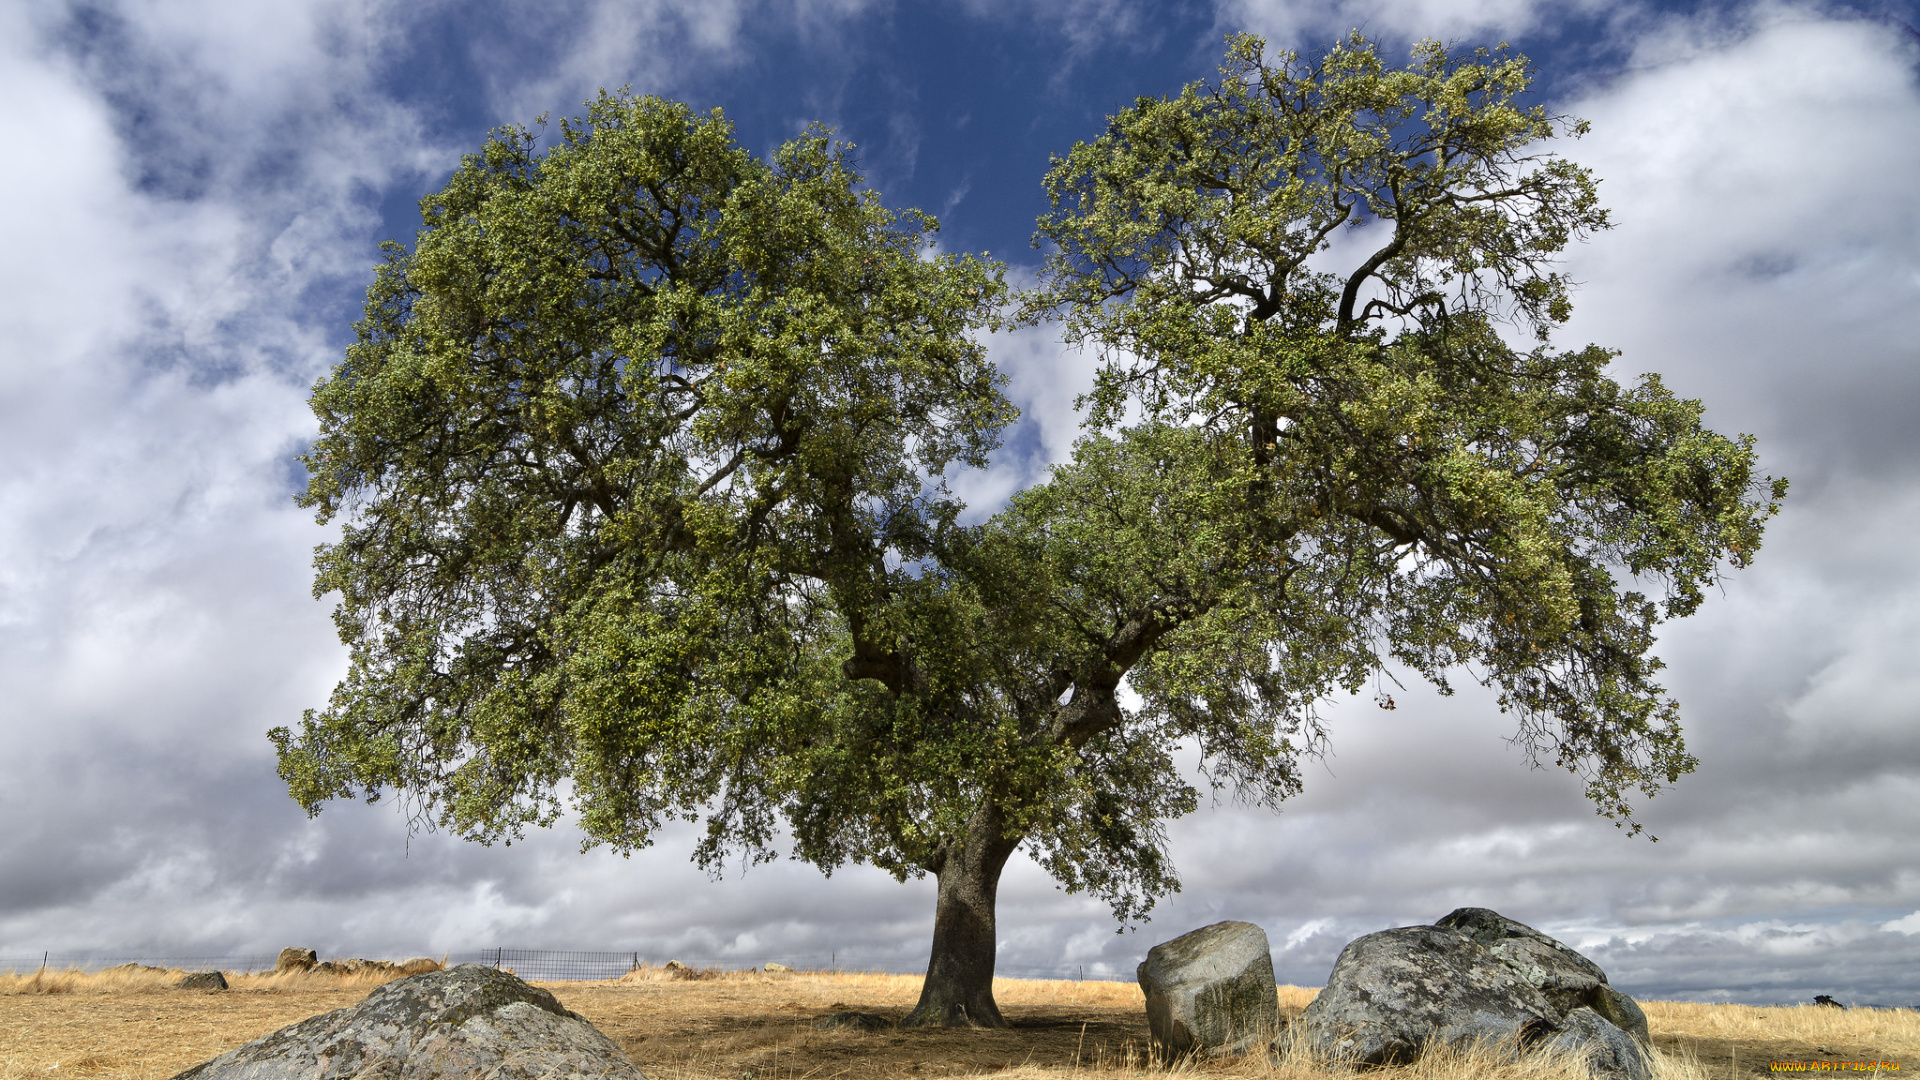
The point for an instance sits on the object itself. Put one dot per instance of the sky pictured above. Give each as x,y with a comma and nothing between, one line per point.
187,230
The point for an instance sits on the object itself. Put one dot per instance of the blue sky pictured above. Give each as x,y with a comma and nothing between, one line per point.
197,192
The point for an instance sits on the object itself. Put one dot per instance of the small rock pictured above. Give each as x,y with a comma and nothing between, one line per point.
677,970
778,969
203,980
1210,991
419,965
292,959
1827,1000
853,1021
465,1022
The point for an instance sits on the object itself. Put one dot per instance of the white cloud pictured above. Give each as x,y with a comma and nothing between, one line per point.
192,187
608,45
1309,26
1301,934
1908,925
1767,244
655,47
1085,25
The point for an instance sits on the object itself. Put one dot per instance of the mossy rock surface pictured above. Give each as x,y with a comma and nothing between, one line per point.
466,1021
1210,991
1475,976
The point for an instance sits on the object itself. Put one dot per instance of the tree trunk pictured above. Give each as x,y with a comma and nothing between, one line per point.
959,987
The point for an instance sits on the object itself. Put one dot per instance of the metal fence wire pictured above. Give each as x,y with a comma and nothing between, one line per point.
26,965
550,965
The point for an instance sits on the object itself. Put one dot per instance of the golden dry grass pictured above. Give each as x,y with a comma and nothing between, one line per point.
1895,1029
1744,1040
719,1025
134,977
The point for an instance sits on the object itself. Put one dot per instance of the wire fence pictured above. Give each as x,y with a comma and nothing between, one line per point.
19,965
542,965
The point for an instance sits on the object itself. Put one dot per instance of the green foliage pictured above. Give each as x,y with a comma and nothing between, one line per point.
639,457
624,442
1432,495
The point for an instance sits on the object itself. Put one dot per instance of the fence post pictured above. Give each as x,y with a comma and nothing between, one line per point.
496,959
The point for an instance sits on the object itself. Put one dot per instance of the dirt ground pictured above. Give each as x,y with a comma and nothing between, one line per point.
760,1027
728,1028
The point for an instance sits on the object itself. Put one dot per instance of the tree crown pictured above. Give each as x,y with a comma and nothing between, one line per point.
641,451
622,437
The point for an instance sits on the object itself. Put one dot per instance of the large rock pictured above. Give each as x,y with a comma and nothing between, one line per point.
1474,976
467,1022
1210,991
295,959
1570,981
203,980
1392,992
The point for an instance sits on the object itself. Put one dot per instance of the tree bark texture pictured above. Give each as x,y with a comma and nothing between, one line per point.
958,991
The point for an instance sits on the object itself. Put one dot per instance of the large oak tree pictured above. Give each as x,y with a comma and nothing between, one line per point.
640,459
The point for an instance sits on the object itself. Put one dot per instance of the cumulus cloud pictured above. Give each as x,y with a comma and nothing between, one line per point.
1908,925
194,186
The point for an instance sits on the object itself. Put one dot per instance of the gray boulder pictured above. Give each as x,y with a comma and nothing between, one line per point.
467,1022
1474,976
1210,991
292,959
1392,992
203,980
1570,981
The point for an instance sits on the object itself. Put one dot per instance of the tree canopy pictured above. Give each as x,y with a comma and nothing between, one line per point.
641,456
624,438
1448,501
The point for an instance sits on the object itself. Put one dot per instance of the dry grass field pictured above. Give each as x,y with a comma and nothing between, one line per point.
132,1024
